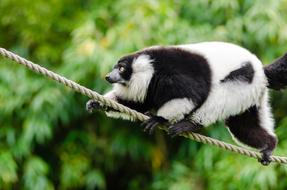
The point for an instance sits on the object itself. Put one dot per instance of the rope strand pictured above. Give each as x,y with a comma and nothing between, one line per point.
121,108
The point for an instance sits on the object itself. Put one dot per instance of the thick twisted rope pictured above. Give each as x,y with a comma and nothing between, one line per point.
121,108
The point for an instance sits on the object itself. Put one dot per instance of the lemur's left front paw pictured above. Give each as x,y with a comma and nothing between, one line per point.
92,105
152,123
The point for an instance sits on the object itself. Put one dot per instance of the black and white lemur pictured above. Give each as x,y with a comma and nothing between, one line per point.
191,86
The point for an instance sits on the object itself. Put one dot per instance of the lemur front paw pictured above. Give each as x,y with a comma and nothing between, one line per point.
92,105
152,123
182,127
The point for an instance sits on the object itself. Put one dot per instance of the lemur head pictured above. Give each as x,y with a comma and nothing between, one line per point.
131,76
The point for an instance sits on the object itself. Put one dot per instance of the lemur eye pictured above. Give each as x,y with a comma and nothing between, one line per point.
121,69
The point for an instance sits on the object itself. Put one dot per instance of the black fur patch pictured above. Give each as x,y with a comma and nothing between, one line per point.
244,74
140,107
246,128
178,74
277,73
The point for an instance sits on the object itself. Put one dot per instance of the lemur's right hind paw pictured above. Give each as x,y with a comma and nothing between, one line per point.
265,160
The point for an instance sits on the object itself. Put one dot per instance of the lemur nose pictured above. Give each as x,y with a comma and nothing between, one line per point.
107,77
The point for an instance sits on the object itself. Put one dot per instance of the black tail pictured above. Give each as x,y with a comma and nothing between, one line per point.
277,73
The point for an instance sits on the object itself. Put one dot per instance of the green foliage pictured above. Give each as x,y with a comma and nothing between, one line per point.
48,141
35,174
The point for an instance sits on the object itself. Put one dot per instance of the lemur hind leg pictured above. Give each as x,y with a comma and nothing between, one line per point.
254,127
183,126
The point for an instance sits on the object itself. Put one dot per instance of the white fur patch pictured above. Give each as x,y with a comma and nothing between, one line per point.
230,98
111,95
265,116
176,109
137,87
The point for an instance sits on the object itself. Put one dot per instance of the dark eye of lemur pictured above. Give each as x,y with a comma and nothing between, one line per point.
125,70
122,69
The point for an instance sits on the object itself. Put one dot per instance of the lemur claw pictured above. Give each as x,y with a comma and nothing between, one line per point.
92,104
148,113
152,123
182,127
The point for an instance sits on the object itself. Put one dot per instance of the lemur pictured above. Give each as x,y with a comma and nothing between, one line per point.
191,86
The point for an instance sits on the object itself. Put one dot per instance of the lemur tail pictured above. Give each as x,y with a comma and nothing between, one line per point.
276,73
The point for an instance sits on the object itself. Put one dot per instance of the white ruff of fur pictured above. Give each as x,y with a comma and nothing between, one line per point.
175,110
265,115
232,97
137,87
111,95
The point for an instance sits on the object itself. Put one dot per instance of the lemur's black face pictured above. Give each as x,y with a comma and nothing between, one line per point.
122,71
131,76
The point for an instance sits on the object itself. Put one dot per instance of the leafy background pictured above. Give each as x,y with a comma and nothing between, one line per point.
48,140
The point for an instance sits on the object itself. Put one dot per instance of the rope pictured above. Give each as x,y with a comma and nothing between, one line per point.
134,114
